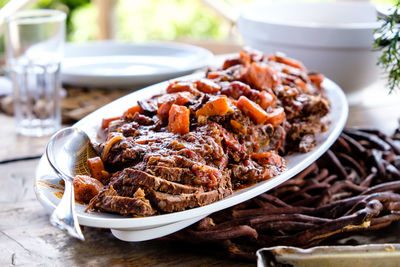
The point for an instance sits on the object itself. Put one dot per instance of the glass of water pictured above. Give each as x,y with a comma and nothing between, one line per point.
34,49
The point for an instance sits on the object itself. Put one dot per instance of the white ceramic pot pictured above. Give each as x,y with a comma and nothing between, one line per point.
335,39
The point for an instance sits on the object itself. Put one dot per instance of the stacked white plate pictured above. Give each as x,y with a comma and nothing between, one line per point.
126,65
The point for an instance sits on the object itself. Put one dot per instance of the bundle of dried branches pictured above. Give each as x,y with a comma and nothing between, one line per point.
355,186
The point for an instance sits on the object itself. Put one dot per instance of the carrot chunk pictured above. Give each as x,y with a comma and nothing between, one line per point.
218,106
276,117
96,168
238,126
287,61
262,76
207,86
181,86
213,75
266,99
237,89
106,121
252,109
317,79
270,158
179,99
233,101
244,58
230,62
131,111
300,83
85,188
163,110
179,119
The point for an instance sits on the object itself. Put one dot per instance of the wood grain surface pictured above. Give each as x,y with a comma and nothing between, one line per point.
28,239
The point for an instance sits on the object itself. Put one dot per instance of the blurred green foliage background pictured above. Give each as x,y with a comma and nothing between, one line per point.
139,20
142,20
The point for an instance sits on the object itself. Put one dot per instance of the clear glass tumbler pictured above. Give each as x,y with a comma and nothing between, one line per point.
34,49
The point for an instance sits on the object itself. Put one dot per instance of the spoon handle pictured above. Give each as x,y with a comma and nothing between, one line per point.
64,216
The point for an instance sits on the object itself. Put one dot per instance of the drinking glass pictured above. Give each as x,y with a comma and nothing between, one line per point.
34,48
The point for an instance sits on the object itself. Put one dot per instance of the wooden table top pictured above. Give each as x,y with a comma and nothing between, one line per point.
27,237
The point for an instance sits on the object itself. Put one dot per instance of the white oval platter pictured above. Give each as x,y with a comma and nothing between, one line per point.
137,229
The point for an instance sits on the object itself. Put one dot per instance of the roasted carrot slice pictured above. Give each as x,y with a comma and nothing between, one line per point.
180,86
233,101
163,110
230,62
261,76
96,168
207,86
244,58
287,61
252,109
270,158
317,79
237,89
238,126
276,117
106,121
131,111
180,99
213,75
266,99
300,83
179,119
218,106
85,188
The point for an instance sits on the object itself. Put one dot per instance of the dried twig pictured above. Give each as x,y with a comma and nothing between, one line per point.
354,187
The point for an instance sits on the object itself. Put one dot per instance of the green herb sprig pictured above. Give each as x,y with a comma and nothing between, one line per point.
387,41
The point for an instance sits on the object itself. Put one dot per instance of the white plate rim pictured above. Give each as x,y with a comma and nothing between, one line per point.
339,108
69,76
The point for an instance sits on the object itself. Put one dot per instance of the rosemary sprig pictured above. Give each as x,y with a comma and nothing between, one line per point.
387,41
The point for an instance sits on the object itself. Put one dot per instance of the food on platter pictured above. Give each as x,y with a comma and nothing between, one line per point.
205,138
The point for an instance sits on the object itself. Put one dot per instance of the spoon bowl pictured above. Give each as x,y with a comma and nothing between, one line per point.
67,152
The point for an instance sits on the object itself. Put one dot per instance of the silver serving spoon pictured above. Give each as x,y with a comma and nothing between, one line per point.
67,152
